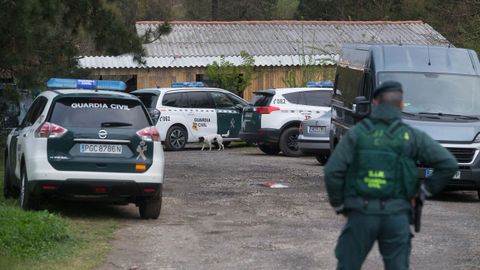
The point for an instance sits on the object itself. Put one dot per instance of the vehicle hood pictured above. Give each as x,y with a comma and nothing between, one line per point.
461,132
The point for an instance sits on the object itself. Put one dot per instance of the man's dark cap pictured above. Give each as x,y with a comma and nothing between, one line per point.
389,86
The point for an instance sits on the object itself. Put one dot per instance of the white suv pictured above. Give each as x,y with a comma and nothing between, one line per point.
187,113
272,120
86,145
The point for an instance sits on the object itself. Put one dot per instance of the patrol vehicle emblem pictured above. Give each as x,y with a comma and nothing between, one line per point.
141,148
102,134
232,123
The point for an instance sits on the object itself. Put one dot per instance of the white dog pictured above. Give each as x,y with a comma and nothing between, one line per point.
214,138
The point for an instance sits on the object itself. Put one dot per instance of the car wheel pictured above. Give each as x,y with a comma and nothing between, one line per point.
269,149
226,143
176,138
26,199
289,142
149,208
321,158
7,181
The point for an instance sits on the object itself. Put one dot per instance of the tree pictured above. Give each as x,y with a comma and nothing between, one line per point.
316,10
228,76
44,38
310,71
229,9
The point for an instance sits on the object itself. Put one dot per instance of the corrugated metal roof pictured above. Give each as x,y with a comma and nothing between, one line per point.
126,61
273,43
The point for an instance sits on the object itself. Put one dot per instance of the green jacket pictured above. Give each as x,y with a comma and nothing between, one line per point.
421,147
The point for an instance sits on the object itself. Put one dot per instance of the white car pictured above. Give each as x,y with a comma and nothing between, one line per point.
86,144
185,114
273,118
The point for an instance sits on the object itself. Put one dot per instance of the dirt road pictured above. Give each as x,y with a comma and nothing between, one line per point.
214,216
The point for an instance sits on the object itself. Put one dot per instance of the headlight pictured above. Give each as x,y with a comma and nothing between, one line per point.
477,138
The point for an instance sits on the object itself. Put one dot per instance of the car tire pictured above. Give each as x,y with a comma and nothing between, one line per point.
149,208
26,199
289,142
321,158
8,191
226,143
269,149
176,138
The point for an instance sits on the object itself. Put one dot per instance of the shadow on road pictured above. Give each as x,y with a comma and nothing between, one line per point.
457,196
90,210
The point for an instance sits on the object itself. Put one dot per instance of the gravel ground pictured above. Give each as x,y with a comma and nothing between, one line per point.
215,216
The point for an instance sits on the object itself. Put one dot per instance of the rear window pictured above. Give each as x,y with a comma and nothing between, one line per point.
261,100
93,112
317,98
293,97
148,99
175,100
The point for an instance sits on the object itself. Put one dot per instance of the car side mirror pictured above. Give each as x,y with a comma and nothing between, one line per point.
361,107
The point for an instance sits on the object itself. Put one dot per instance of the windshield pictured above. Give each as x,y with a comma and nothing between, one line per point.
437,93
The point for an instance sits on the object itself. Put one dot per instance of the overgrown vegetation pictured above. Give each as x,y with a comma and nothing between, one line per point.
235,78
31,234
43,240
45,38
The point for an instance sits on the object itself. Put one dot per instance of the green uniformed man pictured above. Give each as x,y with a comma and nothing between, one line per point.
371,178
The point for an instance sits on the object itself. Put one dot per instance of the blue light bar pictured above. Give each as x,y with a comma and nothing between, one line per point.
86,84
320,84
188,84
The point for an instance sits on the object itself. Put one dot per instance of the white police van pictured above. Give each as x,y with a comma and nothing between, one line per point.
273,118
82,143
189,110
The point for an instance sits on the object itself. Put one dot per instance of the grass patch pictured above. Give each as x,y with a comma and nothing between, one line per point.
43,240
31,234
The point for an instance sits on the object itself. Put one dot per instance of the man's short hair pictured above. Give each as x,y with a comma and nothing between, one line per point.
388,86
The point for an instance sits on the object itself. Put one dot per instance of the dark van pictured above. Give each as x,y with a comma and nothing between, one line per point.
441,97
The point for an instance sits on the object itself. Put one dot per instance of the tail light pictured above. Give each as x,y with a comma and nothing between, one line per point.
50,130
300,129
266,109
149,134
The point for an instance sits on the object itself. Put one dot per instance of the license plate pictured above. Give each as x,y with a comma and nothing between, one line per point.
315,129
101,149
248,114
429,172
